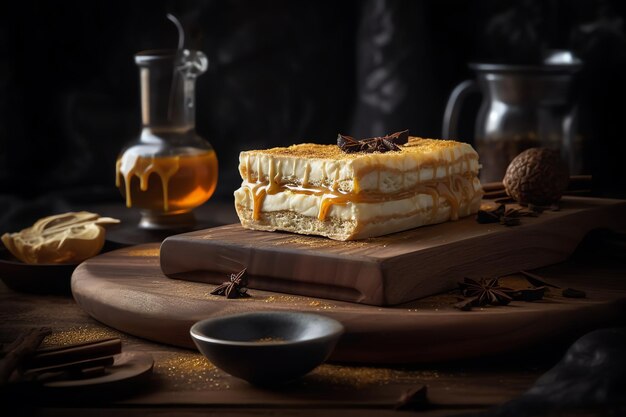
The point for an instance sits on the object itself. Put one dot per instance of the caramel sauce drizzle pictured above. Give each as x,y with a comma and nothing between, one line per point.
330,197
307,172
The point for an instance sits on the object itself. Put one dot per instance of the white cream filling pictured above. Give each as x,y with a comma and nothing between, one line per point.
309,205
393,181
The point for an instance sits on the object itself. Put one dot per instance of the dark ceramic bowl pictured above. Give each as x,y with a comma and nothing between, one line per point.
36,279
39,278
267,347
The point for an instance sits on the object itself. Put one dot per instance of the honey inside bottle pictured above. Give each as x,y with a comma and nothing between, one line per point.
167,184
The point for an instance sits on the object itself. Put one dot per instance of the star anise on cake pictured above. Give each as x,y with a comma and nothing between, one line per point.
484,292
382,144
235,287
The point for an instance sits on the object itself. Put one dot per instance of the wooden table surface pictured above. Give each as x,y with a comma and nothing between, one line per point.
185,384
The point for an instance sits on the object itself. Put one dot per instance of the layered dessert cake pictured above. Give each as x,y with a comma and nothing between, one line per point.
360,189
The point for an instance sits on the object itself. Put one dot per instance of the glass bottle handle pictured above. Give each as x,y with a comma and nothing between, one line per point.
453,108
191,64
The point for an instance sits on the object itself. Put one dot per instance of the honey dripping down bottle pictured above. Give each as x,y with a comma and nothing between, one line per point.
169,170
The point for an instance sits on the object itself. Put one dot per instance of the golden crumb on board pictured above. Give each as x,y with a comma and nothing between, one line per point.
154,252
79,334
188,371
362,377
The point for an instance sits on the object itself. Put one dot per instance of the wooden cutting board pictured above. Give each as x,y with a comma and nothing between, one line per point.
126,289
391,269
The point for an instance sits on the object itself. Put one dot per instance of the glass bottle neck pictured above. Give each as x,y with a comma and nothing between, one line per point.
167,97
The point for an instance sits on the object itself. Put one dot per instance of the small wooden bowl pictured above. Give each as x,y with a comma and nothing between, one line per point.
267,347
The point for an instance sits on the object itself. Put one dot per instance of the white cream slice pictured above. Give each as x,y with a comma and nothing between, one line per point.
318,189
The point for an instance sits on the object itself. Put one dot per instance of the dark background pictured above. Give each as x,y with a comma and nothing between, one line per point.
281,72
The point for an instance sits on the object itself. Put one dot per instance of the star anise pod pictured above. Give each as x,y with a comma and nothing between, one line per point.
399,138
235,287
503,215
348,144
381,144
491,215
486,291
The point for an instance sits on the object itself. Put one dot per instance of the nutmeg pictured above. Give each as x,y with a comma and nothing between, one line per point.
536,176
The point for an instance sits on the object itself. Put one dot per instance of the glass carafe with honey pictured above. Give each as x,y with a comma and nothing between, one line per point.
169,169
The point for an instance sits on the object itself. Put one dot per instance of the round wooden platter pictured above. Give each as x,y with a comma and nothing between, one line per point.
126,289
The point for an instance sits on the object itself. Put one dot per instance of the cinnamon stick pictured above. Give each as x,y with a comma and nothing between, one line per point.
73,366
578,185
74,353
14,354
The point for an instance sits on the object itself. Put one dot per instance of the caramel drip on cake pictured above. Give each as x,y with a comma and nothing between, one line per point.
331,196
305,179
275,177
258,192
330,200
248,172
434,195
